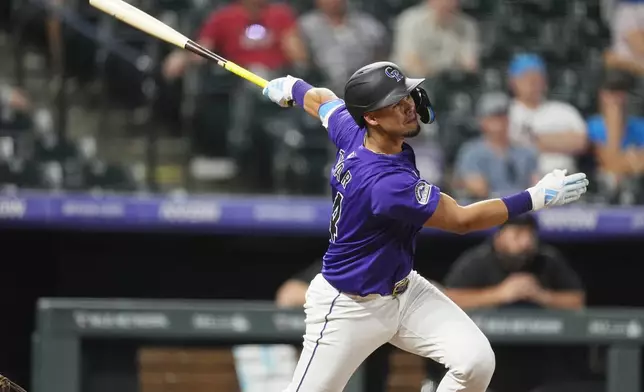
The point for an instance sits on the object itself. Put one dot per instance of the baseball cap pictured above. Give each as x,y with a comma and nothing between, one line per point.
525,62
492,103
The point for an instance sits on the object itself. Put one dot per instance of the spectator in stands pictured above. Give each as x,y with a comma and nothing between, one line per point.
435,36
292,294
255,34
627,32
341,40
619,151
514,269
492,164
14,104
556,129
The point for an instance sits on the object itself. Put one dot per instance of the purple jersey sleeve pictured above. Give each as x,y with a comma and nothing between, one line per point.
336,119
402,196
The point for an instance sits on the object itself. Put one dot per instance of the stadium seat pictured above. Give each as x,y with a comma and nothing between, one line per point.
454,90
52,176
564,84
12,122
210,122
493,79
300,154
479,8
551,8
48,147
455,130
106,176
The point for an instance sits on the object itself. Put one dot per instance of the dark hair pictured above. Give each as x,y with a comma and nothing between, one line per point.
617,80
528,220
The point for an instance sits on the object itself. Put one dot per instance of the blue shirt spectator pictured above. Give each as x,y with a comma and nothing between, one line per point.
492,165
633,131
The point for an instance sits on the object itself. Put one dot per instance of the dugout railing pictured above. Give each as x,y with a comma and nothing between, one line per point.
62,325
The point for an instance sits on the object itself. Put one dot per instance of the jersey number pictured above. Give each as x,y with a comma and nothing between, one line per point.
336,213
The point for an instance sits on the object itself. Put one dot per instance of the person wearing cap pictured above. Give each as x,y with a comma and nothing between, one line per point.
368,293
435,36
617,138
493,164
556,129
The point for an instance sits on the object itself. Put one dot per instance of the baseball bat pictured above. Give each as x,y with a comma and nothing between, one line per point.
147,23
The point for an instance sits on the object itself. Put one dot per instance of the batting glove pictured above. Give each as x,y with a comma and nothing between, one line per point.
556,189
280,90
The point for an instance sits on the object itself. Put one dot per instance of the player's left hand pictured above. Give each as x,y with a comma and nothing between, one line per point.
280,90
556,189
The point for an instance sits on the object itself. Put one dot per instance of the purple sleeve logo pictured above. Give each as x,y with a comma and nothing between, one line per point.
393,73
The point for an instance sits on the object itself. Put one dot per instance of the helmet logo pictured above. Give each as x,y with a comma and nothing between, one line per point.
393,73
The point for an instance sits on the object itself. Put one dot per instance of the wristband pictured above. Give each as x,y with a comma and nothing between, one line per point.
518,204
298,91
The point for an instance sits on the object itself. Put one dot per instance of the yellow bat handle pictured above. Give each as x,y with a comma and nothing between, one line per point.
246,74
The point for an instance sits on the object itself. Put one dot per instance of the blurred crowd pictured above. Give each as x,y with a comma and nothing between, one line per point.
520,88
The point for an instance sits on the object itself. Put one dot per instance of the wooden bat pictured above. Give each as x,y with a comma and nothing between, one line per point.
147,23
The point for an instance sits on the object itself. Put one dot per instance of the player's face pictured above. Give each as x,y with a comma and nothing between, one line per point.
398,120
530,85
495,126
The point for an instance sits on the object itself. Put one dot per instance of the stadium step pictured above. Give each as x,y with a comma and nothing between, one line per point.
171,158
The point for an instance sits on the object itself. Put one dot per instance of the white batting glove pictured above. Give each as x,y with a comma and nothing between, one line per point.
279,90
556,189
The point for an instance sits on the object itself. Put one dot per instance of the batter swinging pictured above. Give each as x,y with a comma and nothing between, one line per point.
368,293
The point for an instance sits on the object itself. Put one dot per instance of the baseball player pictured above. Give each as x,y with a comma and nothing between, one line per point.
368,293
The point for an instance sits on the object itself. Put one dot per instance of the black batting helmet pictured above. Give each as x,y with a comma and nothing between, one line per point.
381,84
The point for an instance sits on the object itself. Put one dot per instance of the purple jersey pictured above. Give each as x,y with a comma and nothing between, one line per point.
380,203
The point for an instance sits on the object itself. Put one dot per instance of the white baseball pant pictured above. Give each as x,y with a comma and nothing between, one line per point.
342,330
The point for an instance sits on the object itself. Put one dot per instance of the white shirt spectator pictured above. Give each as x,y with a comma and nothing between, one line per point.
549,117
627,18
424,46
340,50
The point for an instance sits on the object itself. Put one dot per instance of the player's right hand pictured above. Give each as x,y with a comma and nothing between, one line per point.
280,90
556,189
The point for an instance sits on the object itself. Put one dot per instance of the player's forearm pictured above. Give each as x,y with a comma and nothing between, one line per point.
483,215
316,97
475,298
452,217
